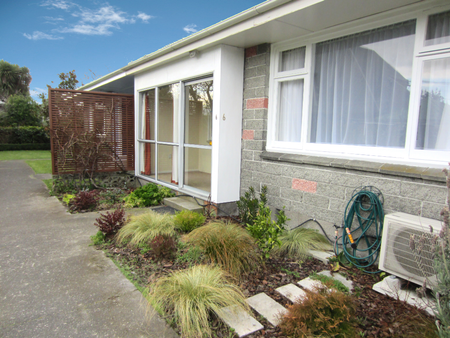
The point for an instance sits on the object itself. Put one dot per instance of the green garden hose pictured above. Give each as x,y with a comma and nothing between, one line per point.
364,211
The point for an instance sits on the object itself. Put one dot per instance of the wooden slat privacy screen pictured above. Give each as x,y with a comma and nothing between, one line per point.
104,118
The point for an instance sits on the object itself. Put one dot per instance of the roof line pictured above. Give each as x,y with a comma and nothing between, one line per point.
224,24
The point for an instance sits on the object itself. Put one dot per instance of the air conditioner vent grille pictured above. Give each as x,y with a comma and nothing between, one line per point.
396,255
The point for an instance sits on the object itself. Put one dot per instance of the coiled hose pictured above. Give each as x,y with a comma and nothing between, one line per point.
365,210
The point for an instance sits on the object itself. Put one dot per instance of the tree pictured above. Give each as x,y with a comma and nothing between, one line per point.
68,80
21,111
13,80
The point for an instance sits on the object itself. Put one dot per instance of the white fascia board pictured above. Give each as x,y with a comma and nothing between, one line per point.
253,17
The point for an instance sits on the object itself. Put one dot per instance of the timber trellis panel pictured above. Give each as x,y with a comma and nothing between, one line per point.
105,119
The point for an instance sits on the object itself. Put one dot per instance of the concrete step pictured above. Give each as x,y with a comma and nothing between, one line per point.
239,320
183,203
267,307
291,292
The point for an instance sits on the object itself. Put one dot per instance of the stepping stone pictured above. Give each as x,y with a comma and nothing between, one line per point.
310,284
339,277
239,320
267,307
322,256
291,292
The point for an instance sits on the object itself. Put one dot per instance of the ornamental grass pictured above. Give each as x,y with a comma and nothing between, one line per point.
297,243
227,245
144,228
192,295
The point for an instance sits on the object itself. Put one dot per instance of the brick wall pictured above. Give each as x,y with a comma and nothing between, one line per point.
316,187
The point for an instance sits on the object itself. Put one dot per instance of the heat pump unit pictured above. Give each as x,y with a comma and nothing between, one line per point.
396,256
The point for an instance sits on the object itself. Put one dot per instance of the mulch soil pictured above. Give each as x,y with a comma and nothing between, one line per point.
377,315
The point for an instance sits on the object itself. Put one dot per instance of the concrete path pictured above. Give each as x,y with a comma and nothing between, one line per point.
52,283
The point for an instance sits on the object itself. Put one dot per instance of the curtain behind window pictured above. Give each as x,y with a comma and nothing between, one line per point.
361,87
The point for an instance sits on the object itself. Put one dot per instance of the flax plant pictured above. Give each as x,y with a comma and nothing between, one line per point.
144,228
228,245
192,295
297,243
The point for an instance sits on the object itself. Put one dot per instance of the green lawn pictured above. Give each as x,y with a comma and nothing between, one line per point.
41,166
25,155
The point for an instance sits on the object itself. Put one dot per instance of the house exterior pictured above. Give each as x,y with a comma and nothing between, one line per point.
313,98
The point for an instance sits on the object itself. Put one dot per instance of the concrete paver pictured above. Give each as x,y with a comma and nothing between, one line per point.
267,307
52,283
291,292
239,320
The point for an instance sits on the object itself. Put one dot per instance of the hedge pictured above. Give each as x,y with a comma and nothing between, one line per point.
24,135
25,146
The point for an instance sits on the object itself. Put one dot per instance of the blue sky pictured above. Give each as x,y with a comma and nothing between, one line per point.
95,37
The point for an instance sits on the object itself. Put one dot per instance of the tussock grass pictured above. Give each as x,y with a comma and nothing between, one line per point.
144,228
228,245
192,294
297,243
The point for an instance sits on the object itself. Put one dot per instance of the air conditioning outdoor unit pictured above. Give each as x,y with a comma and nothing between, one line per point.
396,256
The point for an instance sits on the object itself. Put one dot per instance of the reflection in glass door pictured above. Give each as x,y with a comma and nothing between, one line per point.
198,105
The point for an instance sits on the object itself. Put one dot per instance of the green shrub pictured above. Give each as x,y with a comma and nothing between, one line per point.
296,243
321,314
144,228
228,245
98,238
265,231
147,195
248,205
192,295
67,198
187,220
26,146
24,135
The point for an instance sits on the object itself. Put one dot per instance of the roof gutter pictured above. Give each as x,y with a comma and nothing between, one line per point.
236,19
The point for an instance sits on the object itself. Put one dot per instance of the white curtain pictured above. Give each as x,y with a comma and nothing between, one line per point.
292,59
290,111
362,87
434,115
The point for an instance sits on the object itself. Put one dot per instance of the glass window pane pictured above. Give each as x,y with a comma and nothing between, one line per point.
292,59
434,115
290,105
438,29
147,163
148,115
168,164
197,168
198,113
362,87
168,112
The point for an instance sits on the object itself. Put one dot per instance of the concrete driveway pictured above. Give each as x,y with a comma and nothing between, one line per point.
52,283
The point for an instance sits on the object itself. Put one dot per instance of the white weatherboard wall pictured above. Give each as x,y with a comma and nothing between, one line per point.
226,65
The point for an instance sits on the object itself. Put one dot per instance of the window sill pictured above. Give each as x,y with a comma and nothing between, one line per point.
399,170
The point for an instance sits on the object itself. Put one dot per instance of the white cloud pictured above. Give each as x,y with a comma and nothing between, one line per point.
52,20
36,91
190,28
100,21
144,17
41,36
102,29
60,4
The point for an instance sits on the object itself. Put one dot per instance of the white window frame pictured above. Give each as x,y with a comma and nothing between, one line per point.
408,154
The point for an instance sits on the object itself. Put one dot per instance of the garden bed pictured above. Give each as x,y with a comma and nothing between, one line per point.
377,315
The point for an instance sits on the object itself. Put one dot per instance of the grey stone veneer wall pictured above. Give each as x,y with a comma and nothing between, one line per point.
317,187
